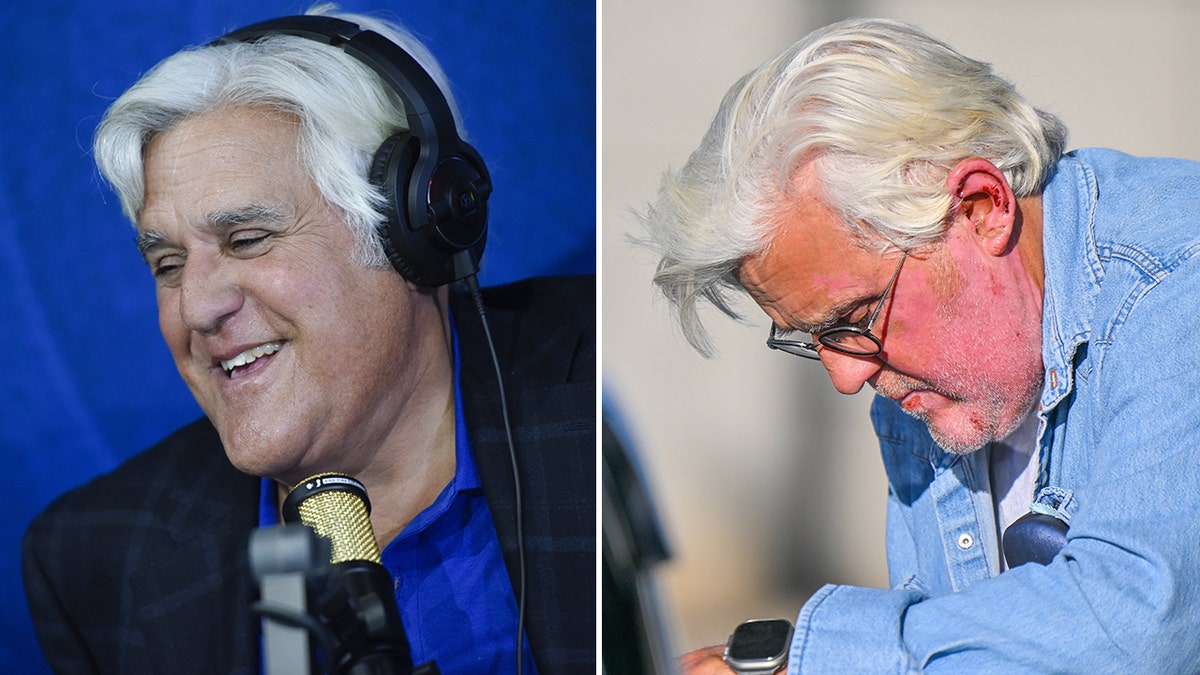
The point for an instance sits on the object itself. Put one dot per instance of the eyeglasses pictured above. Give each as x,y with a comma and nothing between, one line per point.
855,340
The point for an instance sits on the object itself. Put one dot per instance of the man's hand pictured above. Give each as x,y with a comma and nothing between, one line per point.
706,661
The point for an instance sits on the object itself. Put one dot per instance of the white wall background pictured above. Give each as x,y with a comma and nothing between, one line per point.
768,482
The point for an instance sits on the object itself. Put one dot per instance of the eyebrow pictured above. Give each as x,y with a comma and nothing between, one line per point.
834,317
149,240
223,220
218,221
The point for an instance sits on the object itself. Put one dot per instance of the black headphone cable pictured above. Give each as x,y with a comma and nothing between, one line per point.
473,287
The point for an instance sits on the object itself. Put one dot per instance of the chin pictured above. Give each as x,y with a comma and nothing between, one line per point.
258,457
254,464
963,431
958,444
968,425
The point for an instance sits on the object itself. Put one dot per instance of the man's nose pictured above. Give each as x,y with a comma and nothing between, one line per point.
849,373
208,293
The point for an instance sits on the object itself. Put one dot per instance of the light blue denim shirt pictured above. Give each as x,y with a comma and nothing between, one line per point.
1119,442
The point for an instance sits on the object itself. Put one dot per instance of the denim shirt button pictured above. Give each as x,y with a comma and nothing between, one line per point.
965,540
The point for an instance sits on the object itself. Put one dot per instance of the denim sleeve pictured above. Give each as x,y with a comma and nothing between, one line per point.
847,629
1124,595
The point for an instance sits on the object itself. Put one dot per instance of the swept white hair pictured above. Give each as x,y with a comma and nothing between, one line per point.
344,111
881,111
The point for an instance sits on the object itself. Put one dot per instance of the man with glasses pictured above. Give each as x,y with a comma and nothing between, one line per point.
912,214
846,338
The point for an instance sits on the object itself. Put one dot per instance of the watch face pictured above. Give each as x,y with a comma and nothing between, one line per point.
762,640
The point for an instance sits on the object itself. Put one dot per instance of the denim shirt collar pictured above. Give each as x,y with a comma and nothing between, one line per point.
1072,273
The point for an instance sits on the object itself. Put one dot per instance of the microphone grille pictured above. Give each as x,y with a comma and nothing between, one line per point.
336,506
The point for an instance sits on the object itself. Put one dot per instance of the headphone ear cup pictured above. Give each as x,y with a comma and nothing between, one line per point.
394,225
424,247
458,194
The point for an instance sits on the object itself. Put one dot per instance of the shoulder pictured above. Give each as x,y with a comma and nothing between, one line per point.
544,333
153,552
1122,202
544,325
182,471
566,300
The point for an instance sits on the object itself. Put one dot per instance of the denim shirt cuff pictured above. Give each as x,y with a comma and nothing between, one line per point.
852,629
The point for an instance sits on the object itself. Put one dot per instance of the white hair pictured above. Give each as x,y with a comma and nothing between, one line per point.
881,111
343,108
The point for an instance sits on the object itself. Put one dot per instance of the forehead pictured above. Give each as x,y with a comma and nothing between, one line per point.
220,160
812,270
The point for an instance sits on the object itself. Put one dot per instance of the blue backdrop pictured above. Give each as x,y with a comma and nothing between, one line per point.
89,381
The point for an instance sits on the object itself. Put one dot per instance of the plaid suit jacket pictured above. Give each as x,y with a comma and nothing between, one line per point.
146,569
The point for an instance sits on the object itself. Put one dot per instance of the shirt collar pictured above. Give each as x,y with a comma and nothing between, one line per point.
1072,271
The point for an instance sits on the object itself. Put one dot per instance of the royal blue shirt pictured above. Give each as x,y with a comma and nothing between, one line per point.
453,591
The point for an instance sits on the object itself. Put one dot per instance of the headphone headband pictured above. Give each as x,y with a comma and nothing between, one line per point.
436,183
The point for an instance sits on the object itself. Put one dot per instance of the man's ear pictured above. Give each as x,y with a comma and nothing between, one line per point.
984,200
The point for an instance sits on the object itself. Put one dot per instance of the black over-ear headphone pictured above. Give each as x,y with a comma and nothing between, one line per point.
435,183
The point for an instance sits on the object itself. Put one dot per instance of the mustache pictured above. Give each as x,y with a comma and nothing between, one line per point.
895,385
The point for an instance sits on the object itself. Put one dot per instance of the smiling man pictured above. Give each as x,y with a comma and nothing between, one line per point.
905,218
301,358
262,174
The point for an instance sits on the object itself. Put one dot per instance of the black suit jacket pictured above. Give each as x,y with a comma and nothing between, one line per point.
146,569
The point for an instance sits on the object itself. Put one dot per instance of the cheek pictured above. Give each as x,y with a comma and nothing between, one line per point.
983,339
937,327
921,316
359,312
303,290
170,322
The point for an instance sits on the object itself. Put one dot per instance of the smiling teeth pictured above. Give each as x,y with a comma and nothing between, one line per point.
250,356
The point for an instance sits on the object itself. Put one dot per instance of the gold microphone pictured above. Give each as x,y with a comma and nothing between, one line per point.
357,604
336,506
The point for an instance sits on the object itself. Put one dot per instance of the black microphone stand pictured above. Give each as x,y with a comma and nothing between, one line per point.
353,615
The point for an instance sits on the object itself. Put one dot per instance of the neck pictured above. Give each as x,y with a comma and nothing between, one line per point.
422,473
417,480
1029,243
414,458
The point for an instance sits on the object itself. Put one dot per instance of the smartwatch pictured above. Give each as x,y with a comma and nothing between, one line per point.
759,646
